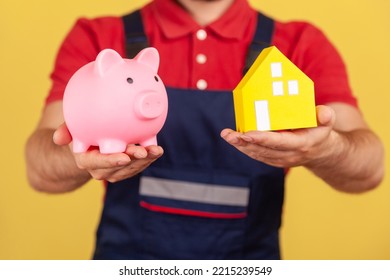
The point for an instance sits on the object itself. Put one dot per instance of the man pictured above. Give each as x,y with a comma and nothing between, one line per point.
212,192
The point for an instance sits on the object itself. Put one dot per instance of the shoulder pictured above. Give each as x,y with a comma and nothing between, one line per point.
311,50
86,38
298,35
98,27
305,44
90,35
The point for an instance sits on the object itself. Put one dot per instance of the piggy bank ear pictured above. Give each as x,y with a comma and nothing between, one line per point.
149,57
105,60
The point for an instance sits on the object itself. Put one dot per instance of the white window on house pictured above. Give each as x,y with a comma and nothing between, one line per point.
276,69
277,88
292,87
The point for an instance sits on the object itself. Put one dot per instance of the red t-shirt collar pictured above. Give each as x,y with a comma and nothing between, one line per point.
176,22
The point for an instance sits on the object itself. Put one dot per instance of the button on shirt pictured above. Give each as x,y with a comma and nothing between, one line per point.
216,51
201,35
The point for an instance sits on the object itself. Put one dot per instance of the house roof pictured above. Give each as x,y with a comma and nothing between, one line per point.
268,54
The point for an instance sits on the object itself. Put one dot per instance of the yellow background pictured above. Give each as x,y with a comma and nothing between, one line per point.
319,223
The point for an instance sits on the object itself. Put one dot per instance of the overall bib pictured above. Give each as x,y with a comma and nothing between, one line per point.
202,199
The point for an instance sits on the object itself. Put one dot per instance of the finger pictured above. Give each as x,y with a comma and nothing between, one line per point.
283,140
62,135
252,142
154,152
136,166
93,160
272,156
139,152
326,116
232,137
273,140
225,132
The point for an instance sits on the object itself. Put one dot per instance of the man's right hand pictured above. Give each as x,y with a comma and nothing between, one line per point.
110,167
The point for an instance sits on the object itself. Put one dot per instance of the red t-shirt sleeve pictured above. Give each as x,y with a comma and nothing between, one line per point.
81,46
308,48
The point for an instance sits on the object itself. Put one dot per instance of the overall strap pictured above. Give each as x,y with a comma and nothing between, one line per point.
135,37
262,39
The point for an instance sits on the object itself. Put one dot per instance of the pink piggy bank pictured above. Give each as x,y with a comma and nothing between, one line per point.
112,102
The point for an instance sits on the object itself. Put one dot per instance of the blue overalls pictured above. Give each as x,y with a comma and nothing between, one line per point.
202,199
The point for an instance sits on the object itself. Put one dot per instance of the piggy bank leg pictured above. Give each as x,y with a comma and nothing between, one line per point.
112,146
149,142
79,147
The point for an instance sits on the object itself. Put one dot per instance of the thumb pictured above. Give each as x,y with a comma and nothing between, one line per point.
62,135
326,116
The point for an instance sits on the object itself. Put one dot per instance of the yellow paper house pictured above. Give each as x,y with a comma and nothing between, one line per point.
274,95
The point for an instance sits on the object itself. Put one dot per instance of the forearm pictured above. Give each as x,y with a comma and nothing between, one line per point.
51,168
352,161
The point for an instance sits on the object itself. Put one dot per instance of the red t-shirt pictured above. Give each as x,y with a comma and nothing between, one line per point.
210,57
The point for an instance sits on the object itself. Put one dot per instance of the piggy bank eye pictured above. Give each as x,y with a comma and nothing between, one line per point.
156,78
130,80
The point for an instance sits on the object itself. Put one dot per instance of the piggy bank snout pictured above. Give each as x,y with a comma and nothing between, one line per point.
150,105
